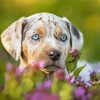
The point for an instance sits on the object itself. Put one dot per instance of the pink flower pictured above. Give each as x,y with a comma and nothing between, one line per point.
34,63
71,51
79,93
38,64
59,74
9,67
45,85
41,95
41,64
70,79
18,72
75,53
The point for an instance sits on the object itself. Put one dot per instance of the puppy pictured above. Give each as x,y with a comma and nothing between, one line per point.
41,37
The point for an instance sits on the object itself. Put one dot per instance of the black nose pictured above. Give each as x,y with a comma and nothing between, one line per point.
54,55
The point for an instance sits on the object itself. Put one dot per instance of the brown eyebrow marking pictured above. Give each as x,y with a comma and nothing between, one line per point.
58,31
41,31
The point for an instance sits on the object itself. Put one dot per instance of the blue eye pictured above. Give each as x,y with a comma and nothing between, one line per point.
35,37
63,38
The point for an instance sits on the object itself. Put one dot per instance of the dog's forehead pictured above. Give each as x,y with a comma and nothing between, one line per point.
48,21
45,19
44,16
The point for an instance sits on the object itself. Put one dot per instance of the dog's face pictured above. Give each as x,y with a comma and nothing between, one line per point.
42,37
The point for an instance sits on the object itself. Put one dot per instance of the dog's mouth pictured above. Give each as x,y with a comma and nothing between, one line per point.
52,67
48,67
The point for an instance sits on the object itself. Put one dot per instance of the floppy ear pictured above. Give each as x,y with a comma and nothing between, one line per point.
76,37
12,37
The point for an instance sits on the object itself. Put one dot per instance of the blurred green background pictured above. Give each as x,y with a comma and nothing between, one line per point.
85,14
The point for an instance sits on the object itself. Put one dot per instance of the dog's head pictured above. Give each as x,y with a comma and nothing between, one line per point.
42,36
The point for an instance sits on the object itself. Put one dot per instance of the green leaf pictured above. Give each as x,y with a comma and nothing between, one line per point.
77,71
72,66
62,89
66,92
27,84
71,63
